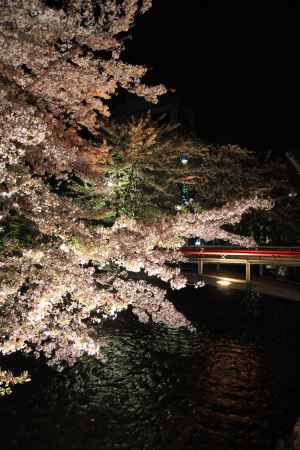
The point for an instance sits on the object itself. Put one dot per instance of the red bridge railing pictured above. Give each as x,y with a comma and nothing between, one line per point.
287,252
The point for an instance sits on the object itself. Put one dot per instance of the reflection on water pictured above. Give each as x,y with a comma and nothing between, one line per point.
163,390
237,400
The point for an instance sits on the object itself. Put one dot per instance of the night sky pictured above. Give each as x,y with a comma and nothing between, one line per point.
237,67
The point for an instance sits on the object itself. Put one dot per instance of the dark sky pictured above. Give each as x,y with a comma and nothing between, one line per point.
237,67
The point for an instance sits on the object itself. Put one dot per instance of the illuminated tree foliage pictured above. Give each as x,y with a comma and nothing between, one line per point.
8,379
147,179
76,193
68,57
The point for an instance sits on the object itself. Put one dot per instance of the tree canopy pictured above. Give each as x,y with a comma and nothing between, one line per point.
88,207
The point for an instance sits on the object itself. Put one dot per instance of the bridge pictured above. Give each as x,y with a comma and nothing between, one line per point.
238,267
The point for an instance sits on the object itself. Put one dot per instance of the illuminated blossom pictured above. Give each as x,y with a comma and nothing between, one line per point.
58,286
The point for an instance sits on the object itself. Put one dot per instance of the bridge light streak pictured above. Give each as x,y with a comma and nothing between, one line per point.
224,283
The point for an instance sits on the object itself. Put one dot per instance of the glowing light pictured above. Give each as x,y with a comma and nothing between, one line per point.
224,283
184,159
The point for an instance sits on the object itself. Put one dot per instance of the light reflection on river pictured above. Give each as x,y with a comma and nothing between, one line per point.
163,390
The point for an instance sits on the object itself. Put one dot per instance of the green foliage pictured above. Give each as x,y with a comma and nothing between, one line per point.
5,390
129,195
19,232
84,193
197,207
75,242
213,176
8,379
96,203
132,198
145,179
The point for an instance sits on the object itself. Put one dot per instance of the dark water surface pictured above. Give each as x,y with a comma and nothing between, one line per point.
234,384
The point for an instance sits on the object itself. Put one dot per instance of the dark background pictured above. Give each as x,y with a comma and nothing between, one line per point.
237,67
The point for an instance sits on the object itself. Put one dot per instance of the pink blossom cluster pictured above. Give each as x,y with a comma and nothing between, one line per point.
50,54
61,293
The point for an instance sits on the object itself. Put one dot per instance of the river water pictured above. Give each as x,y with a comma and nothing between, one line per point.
233,384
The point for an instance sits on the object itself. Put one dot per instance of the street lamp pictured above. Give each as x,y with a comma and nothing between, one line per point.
184,159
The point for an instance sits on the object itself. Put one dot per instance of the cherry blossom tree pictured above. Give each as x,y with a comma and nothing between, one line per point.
62,275
68,58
